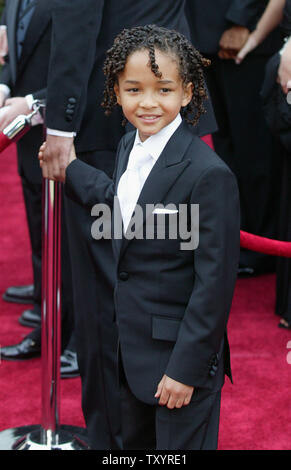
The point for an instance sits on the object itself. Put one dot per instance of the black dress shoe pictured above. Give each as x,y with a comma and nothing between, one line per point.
19,294
30,318
27,349
69,365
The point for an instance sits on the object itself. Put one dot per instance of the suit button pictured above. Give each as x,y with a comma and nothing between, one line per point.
72,100
123,276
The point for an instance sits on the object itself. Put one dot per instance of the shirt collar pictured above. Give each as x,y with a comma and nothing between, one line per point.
155,144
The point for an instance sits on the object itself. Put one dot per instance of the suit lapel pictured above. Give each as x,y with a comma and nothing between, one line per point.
164,174
11,16
124,155
122,161
37,25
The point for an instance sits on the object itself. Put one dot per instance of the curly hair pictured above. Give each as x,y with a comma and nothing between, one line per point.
151,37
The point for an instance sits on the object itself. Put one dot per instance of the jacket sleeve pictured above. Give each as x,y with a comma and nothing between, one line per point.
5,75
246,12
215,263
75,28
88,186
40,94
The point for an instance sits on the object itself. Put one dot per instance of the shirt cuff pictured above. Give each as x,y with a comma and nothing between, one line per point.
37,118
29,100
5,89
3,26
60,133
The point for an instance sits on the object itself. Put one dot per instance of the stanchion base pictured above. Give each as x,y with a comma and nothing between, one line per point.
35,438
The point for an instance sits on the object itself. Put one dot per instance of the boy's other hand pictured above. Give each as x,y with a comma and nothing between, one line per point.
44,165
173,394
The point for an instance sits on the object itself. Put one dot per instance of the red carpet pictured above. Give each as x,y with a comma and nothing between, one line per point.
256,412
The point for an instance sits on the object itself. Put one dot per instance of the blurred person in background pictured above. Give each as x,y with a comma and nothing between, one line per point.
219,30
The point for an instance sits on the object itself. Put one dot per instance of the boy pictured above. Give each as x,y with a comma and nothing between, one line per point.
171,305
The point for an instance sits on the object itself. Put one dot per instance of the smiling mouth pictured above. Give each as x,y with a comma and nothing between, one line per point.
149,117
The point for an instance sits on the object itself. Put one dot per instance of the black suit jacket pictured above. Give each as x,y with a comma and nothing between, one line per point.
28,74
208,23
172,306
82,33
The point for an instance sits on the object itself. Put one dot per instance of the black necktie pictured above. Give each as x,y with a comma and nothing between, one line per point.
25,13
23,7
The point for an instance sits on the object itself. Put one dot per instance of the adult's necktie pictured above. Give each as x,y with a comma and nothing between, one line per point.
25,14
132,181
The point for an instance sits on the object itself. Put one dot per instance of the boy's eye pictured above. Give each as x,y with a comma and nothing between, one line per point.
165,90
132,90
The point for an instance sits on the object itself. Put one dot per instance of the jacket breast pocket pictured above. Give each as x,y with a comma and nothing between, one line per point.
165,328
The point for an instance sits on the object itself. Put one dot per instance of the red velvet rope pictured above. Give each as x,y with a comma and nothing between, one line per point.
4,142
265,245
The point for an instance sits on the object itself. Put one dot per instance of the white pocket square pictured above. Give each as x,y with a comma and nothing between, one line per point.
160,210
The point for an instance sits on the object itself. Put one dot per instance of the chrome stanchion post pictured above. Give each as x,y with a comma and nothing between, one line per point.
51,309
49,435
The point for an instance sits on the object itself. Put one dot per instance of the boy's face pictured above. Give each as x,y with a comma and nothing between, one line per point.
150,103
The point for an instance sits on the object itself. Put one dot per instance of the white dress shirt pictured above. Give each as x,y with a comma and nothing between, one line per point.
141,160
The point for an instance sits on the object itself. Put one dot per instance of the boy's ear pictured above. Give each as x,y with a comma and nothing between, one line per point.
117,94
188,93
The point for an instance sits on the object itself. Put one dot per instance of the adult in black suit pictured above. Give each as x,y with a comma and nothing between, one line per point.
277,109
82,32
29,41
283,292
19,75
243,140
174,329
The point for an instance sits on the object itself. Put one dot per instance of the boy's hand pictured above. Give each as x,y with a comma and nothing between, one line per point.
56,154
44,166
173,394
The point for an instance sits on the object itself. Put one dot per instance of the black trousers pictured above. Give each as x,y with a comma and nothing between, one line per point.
32,194
150,427
245,143
96,333
283,284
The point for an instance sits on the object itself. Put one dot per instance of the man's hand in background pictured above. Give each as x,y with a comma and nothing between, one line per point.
232,41
284,72
2,99
3,44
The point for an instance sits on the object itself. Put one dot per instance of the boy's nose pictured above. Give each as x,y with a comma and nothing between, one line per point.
148,101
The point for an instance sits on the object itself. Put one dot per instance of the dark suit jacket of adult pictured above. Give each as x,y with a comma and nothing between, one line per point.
207,24
89,30
28,74
172,306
